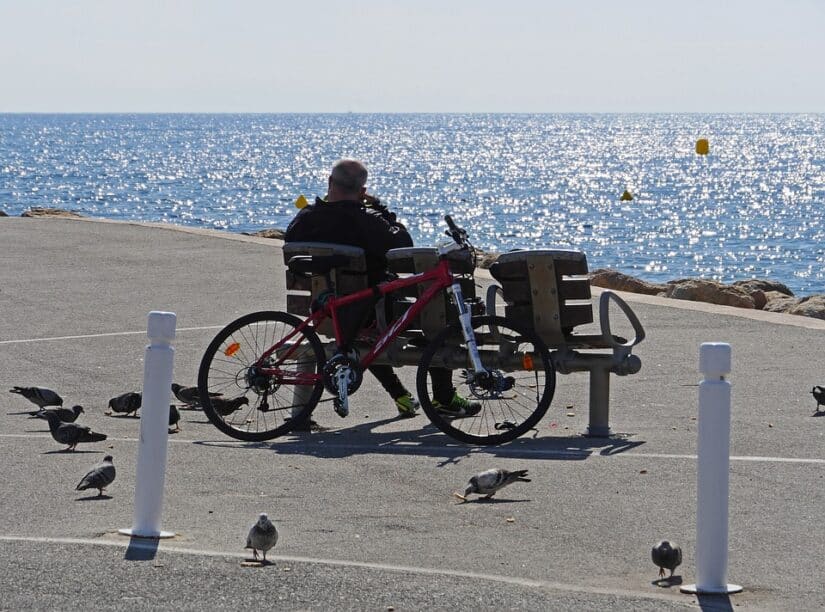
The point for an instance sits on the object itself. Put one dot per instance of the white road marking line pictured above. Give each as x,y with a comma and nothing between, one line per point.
448,450
104,335
405,569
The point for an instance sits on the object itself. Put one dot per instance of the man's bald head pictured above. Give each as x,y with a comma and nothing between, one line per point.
348,178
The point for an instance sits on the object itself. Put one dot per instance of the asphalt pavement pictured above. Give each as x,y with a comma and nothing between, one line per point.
365,509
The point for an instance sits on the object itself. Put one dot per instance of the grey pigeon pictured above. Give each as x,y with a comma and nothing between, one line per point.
125,403
99,477
225,407
39,395
71,433
262,536
190,396
174,417
489,481
67,415
666,555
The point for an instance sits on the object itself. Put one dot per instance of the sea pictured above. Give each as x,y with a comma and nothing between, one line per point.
753,207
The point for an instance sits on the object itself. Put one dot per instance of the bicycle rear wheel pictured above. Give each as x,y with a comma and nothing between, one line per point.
246,403
513,398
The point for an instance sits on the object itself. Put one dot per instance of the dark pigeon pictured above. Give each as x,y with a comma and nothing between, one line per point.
99,477
262,536
666,555
67,415
190,396
819,395
488,482
39,395
225,407
72,433
126,403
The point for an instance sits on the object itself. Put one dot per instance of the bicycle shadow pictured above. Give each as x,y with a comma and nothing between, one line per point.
367,439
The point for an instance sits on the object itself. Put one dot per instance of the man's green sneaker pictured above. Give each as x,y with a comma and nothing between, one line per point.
458,407
407,405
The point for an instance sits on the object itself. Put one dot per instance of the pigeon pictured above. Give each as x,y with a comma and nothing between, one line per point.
99,477
189,395
126,403
67,415
225,407
819,395
488,482
39,395
666,555
262,536
174,417
71,433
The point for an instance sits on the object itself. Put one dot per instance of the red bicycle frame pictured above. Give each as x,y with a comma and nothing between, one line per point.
441,278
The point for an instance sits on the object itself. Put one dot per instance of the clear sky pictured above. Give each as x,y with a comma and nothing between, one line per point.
412,56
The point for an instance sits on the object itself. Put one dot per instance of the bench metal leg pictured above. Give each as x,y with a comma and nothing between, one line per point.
599,425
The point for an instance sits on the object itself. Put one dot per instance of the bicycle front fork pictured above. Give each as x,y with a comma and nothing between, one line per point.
465,318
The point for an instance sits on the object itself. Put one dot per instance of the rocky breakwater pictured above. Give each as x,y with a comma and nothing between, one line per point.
755,293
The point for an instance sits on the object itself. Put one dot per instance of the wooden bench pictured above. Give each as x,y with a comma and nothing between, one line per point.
549,291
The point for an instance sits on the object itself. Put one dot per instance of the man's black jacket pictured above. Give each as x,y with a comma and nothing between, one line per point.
350,222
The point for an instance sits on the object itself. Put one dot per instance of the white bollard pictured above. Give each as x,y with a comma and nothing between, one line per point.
713,449
154,427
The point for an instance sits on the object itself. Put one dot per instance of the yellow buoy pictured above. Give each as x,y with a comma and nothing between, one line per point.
626,196
301,202
702,146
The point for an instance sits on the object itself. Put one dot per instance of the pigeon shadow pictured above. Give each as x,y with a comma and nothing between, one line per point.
493,500
819,413
428,440
141,549
668,582
715,603
94,498
66,450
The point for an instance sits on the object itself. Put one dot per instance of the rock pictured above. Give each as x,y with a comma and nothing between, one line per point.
50,212
759,299
762,284
268,233
779,302
613,279
485,260
713,292
809,306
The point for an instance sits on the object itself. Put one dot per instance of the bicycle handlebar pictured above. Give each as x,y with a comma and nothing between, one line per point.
456,233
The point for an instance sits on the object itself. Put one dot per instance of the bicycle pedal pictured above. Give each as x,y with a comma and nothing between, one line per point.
341,409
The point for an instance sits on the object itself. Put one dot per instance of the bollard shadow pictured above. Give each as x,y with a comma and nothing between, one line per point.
715,603
141,549
363,439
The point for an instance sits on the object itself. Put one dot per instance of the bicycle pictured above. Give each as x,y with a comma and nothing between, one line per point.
277,360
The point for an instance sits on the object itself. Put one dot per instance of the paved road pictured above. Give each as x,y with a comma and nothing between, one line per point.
365,510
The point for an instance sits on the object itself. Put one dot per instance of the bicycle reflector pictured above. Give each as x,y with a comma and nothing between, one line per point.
232,349
527,361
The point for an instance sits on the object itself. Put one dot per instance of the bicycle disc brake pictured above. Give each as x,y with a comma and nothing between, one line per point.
488,385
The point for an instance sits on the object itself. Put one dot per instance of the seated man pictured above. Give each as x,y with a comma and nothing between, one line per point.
350,216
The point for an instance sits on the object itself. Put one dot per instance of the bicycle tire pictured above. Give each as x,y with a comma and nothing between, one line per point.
225,370
505,348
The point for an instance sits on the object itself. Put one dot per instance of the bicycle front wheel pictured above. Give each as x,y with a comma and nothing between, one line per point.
513,395
239,393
